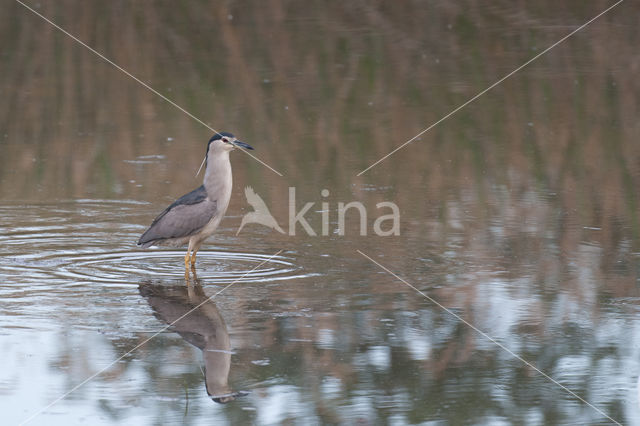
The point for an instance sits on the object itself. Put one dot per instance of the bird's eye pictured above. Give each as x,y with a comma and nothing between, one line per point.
225,140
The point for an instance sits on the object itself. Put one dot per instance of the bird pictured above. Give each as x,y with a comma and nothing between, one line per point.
261,214
192,218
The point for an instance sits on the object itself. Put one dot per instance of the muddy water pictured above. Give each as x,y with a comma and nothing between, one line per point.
519,233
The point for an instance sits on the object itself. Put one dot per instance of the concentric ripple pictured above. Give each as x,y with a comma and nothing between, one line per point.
94,241
212,266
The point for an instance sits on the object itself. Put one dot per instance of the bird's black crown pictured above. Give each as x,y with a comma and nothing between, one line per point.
220,135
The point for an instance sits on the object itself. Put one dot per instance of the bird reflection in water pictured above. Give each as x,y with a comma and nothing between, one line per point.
197,320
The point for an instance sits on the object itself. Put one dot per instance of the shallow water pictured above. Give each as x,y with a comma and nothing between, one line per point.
519,229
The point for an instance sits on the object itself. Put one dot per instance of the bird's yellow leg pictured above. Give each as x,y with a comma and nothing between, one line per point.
186,260
194,250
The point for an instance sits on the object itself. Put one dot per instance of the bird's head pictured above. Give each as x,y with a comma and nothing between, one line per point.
224,141
221,142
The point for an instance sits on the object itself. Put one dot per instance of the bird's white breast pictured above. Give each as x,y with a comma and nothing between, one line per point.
218,183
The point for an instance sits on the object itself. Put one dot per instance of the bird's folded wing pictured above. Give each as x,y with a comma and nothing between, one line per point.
184,217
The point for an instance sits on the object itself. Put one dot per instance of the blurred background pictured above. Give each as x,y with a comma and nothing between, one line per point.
519,212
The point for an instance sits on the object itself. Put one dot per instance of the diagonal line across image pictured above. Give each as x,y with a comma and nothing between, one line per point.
422,132
488,337
142,83
144,342
359,174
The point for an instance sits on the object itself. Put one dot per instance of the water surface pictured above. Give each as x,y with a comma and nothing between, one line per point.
519,214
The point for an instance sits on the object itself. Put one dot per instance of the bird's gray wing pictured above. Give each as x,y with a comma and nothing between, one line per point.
186,216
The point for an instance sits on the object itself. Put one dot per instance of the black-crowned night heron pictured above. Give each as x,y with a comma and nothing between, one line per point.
193,217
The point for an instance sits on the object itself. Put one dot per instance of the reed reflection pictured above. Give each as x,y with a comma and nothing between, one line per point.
198,321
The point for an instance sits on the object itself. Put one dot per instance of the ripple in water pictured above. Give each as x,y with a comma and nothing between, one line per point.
214,267
89,242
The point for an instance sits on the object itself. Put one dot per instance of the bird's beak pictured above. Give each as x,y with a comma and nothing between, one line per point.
242,144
